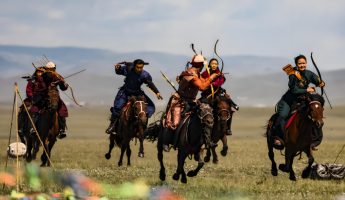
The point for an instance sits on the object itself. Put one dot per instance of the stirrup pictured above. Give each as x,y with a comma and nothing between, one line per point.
62,134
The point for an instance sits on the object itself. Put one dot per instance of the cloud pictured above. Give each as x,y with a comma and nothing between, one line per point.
267,27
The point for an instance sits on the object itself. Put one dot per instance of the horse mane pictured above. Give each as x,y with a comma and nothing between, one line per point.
317,97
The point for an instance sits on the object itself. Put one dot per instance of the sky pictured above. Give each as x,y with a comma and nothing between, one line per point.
283,28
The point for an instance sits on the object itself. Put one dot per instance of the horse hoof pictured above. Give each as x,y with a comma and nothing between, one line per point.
224,151
282,167
176,177
119,164
215,161
191,173
107,156
184,180
305,173
293,178
207,159
162,177
140,155
274,172
28,159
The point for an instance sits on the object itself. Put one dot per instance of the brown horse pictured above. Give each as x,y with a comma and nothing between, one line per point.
47,127
132,124
222,113
190,138
298,136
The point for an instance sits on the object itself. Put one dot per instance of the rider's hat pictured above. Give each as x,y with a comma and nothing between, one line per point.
139,61
50,65
198,58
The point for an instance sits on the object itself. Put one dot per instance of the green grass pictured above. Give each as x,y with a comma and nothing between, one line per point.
243,174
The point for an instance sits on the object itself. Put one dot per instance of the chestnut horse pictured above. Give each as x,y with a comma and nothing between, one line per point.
298,135
132,124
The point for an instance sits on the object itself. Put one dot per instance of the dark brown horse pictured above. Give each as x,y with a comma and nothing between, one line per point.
222,113
298,136
132,124
47,127
190,140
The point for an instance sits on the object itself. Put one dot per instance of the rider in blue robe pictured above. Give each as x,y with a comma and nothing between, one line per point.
135,77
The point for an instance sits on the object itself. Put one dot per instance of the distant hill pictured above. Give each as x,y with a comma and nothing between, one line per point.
253,80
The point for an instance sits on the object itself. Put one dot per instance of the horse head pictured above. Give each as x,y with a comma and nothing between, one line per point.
315,108
223,109
205,113
139,107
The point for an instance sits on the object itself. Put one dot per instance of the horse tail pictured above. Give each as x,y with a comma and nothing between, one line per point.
152,132
269,124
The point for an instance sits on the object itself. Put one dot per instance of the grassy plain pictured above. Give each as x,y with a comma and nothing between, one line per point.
243,174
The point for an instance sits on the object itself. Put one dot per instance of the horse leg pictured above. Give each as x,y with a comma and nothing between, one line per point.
208,155
181,157
306,171
123,149
195,172
224,151
162,174
111,146
36,148
128,152
292,173
44,156
29,150
141,148
215,156
50,147
274,170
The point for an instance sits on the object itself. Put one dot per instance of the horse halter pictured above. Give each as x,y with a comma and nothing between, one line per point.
317,105
205,110
141,108
227,112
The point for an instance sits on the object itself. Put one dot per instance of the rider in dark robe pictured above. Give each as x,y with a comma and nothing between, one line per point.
52,80
36,90
135,77
190,83
299,80
217,89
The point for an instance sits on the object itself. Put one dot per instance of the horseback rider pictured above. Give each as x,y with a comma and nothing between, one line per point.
217,89
135,77
36,90
52,80
299,80
184,100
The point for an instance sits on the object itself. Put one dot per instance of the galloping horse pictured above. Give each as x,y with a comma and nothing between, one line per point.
132,123
222,114
47,127
190,140
298,135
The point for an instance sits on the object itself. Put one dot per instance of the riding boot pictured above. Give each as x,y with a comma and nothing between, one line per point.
112,126
62,127
228,123
316,138
279,128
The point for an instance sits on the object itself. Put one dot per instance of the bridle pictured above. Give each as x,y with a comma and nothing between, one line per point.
142,111
227,112
204,112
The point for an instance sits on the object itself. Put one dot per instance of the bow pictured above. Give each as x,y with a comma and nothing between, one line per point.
215,52
221,71
318,72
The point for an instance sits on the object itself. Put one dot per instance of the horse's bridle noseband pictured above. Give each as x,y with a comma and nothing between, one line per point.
227,112
141,108
310,103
